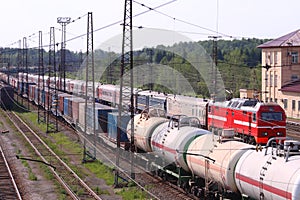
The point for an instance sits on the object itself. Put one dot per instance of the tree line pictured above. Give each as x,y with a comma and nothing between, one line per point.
238,63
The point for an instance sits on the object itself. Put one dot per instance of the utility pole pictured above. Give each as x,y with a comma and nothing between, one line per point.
41,88
90,88
214,66
19,64
126,104
25,64
52,126
62,67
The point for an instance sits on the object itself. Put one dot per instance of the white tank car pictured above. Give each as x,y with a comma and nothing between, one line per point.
144,125
169,140
220,158
264,175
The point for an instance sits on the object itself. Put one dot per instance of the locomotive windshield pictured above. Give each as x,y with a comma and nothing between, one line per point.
271,116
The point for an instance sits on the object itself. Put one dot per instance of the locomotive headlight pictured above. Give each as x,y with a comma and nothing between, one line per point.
264,134
279,134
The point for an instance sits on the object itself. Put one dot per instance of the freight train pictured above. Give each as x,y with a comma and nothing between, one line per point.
251,120
217,165
203,162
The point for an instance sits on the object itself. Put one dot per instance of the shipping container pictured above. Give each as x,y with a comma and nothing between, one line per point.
112,126
66,106
75,108
81,113
60,105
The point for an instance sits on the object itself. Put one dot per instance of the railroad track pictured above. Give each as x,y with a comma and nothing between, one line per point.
156,187
293,126
293,130
74,186
8,186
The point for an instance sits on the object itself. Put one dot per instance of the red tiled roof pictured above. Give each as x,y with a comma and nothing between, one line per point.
293,86
290,39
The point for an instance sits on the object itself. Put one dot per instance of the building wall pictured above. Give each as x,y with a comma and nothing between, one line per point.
284,67
290,101
249,94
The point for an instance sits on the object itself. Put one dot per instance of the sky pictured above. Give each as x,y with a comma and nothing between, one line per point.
195,19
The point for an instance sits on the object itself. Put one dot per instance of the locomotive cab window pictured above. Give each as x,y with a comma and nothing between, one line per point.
271,116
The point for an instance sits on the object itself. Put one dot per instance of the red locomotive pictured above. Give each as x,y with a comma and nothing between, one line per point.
253,121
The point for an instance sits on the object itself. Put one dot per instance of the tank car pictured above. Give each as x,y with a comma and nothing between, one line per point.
171,138
209,157
144,125
270,174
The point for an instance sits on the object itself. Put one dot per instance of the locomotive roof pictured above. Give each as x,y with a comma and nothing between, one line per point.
242,104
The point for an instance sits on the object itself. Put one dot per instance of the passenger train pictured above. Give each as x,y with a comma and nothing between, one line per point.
249,119
193,140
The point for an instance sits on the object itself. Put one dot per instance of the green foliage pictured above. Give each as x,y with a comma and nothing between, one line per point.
238,63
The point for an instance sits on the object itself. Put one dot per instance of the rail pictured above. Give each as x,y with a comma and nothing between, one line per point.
71,182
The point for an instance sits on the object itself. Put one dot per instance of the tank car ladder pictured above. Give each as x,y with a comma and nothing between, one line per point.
262,175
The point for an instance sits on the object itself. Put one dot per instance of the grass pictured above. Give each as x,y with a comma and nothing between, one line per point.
63,143
101,171
132,193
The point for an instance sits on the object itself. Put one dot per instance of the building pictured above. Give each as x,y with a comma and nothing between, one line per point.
249,94
281,72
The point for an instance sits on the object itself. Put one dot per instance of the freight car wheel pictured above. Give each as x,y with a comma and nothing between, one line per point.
185,186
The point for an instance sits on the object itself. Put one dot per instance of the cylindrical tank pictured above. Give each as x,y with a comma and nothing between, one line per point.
144,125
171,142
207,157
268,176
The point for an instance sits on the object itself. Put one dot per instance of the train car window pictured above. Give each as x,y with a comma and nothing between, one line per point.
271,116
209,109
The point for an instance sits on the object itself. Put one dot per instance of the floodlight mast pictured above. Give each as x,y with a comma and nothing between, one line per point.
62,69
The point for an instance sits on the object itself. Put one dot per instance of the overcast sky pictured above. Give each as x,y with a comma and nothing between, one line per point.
196,19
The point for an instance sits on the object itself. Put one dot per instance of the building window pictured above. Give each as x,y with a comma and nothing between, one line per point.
294,77
266,78
298,105
271,79
267,57
271,58
271,99
285,103
275,80
267,99
293,104
294,57
276,100
275,57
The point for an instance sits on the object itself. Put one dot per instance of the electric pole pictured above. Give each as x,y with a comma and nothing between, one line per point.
90,87
126,104
62,67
